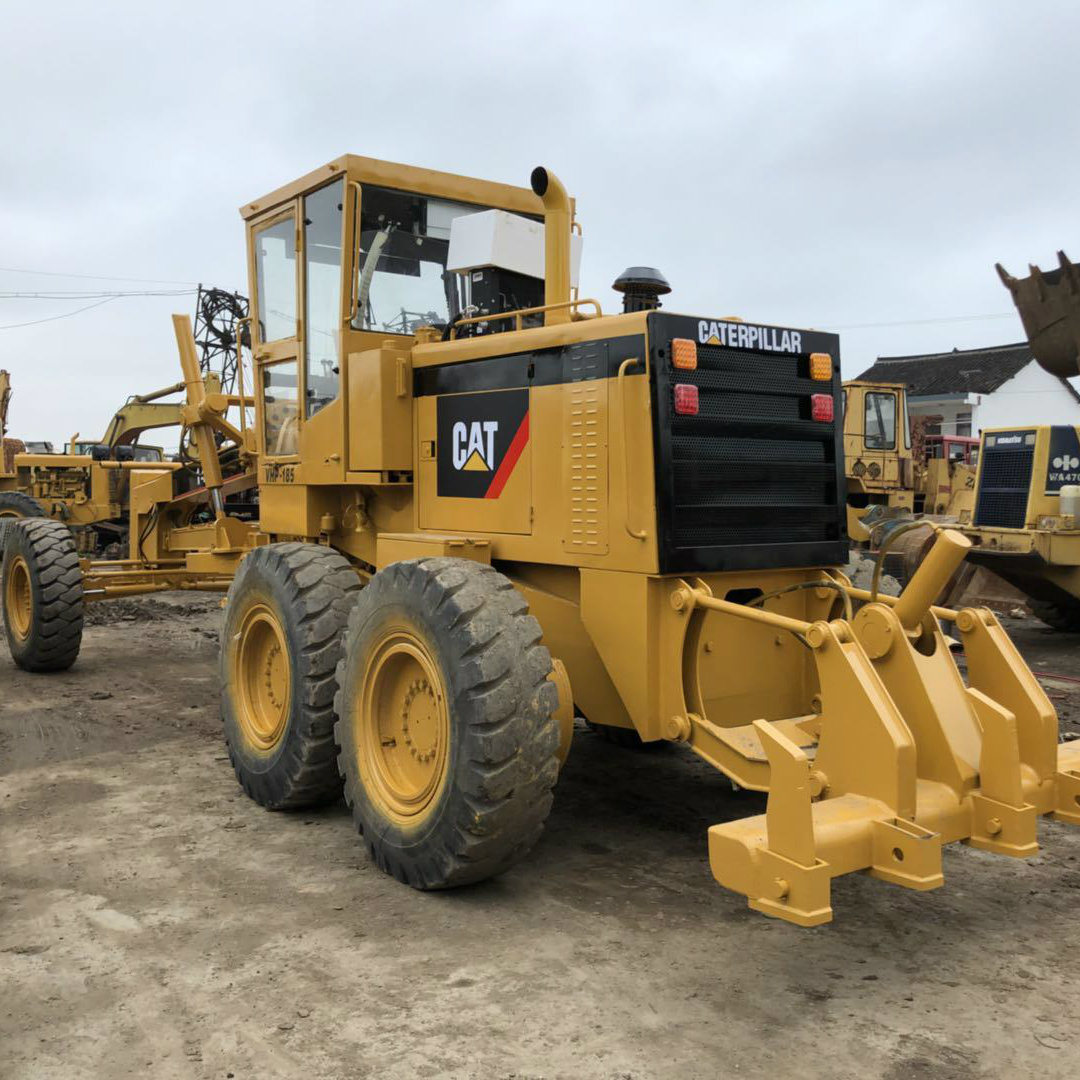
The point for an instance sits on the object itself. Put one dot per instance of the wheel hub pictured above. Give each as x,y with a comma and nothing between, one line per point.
261,681
419,720
402,727
19,598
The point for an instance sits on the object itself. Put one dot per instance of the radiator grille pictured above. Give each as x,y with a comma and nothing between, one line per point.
751,468
1003,486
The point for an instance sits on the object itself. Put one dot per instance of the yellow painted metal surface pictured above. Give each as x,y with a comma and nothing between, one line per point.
585,455
395,547
401,725
260,679
18,598
380,391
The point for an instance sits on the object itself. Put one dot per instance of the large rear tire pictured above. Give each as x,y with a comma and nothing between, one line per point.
446,722
285,618
42,595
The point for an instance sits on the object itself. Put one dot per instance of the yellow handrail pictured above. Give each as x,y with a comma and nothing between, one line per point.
518,315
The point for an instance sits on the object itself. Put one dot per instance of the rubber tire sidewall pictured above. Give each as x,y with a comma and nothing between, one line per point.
411,839
28,652
420,854
28,506
262,772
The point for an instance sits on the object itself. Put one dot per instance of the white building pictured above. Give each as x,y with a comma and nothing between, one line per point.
973,389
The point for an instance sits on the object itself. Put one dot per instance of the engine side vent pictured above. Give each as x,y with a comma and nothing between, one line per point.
1005,480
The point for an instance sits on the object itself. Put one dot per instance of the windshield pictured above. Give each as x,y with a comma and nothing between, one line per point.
879,431
403,282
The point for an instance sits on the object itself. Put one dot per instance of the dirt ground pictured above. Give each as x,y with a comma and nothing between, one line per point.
154,922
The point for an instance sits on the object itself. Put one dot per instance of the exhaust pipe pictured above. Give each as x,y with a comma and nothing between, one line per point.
556,243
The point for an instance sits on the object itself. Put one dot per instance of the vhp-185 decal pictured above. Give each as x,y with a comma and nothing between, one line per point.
480,438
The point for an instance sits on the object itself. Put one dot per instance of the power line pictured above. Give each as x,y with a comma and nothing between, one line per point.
95,277
72,294
929,322
53,318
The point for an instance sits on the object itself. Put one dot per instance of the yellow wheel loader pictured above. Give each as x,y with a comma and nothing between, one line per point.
485,506
893,469
1026,525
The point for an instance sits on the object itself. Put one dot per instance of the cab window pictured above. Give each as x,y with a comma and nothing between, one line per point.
402,281
880,422
322,294
281,407
275,279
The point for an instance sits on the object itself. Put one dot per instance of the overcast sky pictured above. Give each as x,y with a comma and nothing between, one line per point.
826,164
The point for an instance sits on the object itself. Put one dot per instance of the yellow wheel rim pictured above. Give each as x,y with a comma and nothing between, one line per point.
10,514
19,598
402,727
261,678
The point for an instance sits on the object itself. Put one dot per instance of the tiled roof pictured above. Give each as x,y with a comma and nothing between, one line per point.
974,371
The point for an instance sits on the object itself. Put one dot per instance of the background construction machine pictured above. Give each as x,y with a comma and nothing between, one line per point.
8,447
86,487
1026,526
485,505
894,469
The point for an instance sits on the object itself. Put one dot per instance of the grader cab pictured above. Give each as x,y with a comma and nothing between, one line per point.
486,506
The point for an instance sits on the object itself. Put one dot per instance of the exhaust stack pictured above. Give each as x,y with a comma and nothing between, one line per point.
557,214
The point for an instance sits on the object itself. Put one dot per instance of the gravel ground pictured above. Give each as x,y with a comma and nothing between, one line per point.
154,922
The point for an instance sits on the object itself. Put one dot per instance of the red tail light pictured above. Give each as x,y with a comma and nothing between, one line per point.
686,399
821,407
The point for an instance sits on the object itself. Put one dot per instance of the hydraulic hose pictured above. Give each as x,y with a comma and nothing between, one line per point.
885,544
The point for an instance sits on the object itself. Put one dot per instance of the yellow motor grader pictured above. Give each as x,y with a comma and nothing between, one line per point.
485,506
86,486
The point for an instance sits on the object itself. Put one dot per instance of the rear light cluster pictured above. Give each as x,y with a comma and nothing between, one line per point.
684,358
683,354
820,366
686,399
821,407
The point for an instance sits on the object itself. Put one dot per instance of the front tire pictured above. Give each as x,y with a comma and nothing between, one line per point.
14,506
285,618
42,595
446,722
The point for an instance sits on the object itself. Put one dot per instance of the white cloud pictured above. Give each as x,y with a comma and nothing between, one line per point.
826,165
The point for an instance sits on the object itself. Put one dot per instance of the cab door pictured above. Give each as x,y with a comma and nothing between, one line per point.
275,306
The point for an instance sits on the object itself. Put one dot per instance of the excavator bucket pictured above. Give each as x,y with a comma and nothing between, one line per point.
1049,306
